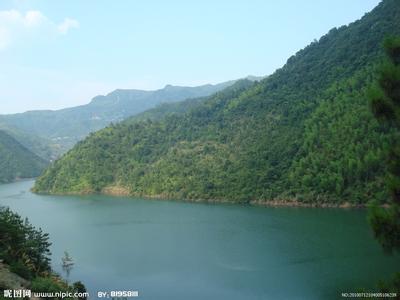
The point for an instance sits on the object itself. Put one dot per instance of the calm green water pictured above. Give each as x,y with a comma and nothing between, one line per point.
175,250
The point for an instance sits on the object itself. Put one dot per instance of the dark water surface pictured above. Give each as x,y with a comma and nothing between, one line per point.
176,250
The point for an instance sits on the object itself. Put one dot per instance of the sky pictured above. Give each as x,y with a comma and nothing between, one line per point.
56,54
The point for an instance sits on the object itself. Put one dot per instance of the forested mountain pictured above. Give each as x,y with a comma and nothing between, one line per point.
16,161
305,133
56,131
41,146
164,110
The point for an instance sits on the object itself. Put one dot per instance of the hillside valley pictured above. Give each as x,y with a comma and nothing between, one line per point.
16,161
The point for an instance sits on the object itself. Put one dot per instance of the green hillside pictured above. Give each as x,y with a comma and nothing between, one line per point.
42,147
304,133
164,110
59,130
16,161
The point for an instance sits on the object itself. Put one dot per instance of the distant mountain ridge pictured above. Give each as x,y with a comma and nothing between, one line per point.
61,129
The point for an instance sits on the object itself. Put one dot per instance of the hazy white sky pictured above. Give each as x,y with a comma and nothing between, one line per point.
56,54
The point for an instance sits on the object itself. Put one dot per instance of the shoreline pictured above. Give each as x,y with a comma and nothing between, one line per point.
123,192
19,179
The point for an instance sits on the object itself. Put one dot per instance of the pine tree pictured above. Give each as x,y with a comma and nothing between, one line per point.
385,104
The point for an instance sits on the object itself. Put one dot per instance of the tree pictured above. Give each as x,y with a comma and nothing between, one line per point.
79,287
22,246
67,263
385,104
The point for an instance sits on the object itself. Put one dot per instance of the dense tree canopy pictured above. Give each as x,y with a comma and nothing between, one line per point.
385,103
23,247
51,133
304,133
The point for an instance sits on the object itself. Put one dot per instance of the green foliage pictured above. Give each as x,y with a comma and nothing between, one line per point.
45,285
20,269
79,287
386,226
57,131
25,250
16,161
390,286
304,133
53,284
175,108
342,151
23,247
42,147
385,103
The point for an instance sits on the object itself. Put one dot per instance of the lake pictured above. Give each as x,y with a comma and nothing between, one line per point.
178,250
